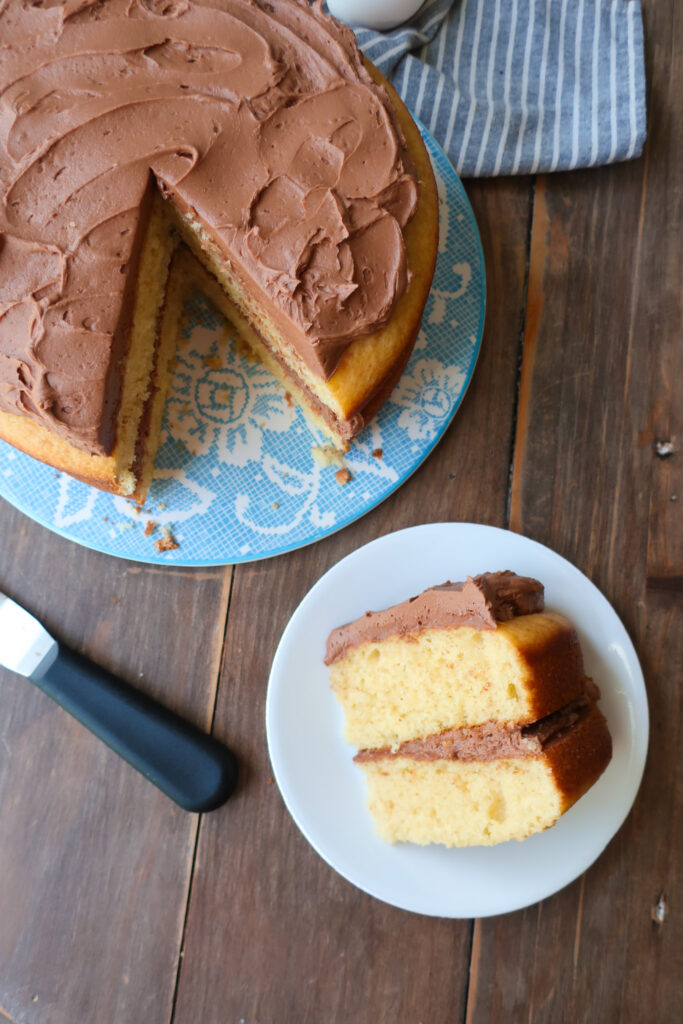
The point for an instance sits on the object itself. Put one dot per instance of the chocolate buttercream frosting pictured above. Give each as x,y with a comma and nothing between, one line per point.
491,740
481,602
257,119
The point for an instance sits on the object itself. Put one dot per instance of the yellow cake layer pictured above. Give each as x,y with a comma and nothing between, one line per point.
141,358
167,341
417,685
460,803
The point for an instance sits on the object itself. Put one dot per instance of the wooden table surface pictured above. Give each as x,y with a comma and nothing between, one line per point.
116,907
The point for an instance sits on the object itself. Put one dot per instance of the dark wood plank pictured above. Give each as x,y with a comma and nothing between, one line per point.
602,335
95,863
274,934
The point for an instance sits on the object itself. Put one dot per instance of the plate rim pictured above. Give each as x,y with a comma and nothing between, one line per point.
637,745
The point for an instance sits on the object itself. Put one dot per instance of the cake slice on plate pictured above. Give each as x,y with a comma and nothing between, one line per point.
473,717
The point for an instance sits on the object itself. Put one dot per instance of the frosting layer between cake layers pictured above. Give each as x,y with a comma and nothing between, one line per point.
257,119
492,740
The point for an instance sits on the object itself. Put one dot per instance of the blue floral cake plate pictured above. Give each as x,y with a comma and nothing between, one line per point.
237,478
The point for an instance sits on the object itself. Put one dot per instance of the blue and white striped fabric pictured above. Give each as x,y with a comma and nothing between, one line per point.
519,86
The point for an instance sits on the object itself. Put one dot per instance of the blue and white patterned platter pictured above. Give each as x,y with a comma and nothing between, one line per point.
236,478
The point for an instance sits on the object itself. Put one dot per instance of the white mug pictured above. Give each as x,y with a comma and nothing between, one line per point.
379,14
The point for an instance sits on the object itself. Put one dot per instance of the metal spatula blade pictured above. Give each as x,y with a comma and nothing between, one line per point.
26,647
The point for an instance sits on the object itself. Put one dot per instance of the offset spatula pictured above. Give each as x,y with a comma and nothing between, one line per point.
193,769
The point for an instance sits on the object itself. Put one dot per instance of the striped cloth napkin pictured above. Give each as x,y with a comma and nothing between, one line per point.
519,86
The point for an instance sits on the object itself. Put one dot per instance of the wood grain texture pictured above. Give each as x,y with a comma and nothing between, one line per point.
95,862
603,332
289,939
116,908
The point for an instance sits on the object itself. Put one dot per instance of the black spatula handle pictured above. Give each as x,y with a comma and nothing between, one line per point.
193,769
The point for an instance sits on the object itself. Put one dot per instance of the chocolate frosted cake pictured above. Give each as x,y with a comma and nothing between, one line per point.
471,710
253,131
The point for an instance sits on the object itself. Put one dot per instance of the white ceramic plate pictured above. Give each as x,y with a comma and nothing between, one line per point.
325,792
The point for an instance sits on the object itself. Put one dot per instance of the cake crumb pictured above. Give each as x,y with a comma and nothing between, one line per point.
150,527
327,455
166,543
213,362
288,399
343,476
377,453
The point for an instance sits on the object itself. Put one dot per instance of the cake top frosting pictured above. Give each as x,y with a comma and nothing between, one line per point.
257,118
481,602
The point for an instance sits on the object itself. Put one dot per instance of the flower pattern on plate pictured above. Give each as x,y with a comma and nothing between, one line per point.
425,397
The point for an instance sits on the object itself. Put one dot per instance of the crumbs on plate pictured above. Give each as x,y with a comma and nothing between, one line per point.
167,542
327,455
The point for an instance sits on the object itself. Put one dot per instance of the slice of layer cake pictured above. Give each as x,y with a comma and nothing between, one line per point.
471,710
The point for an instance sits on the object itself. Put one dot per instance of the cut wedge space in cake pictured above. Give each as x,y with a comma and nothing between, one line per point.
256,134
474,720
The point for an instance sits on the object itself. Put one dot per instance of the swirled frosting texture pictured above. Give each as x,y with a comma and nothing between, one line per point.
480,602
259,119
